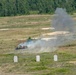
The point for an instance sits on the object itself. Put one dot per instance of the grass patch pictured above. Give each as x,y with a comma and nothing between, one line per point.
19,29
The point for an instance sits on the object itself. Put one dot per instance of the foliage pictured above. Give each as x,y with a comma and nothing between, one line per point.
19,7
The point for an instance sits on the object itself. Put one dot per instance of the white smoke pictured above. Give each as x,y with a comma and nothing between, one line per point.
61,22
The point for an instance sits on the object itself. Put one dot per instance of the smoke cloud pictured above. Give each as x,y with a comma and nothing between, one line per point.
61,22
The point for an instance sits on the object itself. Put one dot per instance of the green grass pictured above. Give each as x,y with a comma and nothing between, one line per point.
22,27
27,64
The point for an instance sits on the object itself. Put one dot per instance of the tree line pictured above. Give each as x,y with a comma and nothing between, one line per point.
21,7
